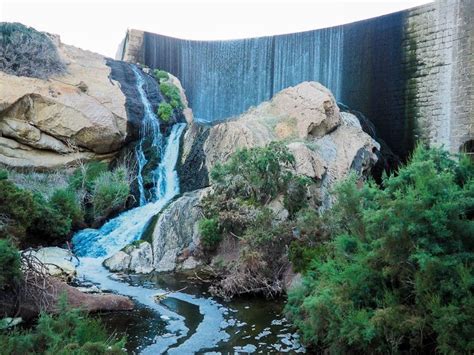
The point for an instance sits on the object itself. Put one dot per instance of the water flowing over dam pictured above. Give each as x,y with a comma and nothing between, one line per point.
398,69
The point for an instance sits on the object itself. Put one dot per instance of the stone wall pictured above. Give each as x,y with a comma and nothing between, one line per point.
410,72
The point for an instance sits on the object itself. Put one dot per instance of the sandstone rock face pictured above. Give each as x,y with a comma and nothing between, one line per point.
177,229
50,123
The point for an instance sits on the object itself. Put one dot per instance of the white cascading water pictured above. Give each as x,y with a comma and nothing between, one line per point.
93,246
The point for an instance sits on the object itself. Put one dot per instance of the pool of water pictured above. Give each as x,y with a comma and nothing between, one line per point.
246,325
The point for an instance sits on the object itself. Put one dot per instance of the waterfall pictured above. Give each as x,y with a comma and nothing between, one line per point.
225,78
129,226
150,129
93,246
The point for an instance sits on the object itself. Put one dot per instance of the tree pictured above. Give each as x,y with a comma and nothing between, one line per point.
398,274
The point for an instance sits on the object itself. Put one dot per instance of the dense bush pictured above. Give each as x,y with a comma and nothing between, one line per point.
66,201
27,52
171,93
210,233
398,274
257,173
34,218
165,111
161,75
68,332
102,192
9,264
30,219
237,210
85,175
110,192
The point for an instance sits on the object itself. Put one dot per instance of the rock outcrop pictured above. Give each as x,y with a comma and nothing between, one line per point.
47,123
324,141
137,258
176,229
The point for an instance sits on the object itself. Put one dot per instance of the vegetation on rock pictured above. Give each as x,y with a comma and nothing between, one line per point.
392,268
171,93
9,264
165,111
38,215
27,52
161,75
236,212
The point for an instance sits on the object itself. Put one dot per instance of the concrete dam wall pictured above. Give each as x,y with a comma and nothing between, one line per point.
410,72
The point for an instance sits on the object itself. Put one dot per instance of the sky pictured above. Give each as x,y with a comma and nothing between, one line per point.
100,25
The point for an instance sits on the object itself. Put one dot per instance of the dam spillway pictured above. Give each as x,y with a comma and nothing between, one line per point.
409,72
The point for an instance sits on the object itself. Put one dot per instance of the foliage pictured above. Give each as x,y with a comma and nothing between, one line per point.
110,192
165,111
210,233
171,92
9,264
237,209
66,201
257,173
161,75
68,332
17,207
47,216
85,175
295,195
398,274
102,192
49,223
3,174
27,52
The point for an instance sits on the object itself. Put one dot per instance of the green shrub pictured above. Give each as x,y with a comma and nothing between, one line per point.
258,173
160,75
84,176
165,111
17,210
65,201
49,224
9,264
68,332
3,174
29,218
171,93
398,275
210,234
295,195
110,192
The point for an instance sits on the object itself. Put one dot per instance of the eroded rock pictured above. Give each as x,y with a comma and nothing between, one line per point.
76,115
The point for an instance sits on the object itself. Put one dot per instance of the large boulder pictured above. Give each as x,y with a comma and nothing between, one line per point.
77,115
176,230
325,142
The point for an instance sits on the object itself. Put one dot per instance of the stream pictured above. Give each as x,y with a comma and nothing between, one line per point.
187,321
